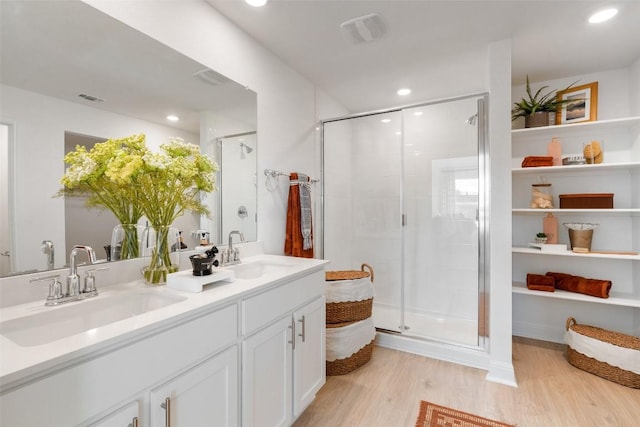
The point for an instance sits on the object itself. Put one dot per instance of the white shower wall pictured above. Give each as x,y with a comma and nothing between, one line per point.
362,172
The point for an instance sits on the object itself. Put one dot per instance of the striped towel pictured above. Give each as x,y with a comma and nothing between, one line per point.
305,210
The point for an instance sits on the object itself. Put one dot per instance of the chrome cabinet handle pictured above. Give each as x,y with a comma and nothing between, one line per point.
134,422
167,415
303,334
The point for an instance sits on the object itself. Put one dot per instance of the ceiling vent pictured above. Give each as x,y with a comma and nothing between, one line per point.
211,77
363,29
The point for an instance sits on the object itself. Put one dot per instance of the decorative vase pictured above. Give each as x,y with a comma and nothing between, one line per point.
125,241
158,242
538,119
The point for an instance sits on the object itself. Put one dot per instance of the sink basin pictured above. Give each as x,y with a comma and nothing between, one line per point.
66,320
256,269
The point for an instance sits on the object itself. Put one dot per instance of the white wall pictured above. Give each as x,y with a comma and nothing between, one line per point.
499,226
40,125
286,101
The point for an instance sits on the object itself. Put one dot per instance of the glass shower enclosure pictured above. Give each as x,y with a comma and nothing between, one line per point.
404,191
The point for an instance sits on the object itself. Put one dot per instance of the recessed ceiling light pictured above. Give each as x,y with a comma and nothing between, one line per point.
256,3
404,91
173,118
603,15
386,120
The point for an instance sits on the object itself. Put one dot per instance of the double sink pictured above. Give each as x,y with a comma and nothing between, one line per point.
50,324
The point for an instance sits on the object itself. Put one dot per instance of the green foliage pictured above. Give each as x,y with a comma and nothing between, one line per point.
124,176
538,102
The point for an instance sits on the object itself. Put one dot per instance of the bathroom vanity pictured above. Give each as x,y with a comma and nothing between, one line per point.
248,352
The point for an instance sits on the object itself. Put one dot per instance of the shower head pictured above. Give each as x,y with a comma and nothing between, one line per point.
244,150
472,120
245,147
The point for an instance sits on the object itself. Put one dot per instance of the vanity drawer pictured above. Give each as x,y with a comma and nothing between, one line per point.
261,309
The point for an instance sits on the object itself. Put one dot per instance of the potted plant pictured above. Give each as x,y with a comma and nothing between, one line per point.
535,108
541,238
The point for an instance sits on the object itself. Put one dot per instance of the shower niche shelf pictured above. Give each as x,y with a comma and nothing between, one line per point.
541,315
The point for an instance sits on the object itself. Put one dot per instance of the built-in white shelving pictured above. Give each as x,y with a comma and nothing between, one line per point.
539,314
521,288
534,251
600,126
577,168
558,212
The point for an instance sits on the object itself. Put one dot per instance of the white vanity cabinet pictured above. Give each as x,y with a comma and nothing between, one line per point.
283,353
542,315
196,355
206,395
249,352
127,416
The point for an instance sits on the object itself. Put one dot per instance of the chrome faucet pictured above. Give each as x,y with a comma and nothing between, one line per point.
73,281
232,255
47,249
73,292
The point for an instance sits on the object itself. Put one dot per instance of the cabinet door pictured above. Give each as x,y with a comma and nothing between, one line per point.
266,376
309,356
128,416
206,395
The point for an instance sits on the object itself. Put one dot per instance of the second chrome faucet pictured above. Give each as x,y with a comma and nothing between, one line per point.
232,255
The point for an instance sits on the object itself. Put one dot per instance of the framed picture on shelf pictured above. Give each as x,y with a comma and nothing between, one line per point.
583,109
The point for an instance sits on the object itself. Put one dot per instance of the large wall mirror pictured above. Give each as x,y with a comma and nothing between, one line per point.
71,74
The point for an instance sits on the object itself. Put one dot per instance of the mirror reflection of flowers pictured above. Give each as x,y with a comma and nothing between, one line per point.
124,176
95,175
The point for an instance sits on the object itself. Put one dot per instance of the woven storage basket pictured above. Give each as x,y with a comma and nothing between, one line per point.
349,311
598,367
344,366
339,312
353,362
331,276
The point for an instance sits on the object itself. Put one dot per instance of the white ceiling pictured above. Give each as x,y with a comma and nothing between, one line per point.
550,40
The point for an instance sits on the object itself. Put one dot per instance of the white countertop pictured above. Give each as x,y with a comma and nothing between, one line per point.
22,363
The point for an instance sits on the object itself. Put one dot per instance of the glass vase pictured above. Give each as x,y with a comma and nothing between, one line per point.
160,244
125,241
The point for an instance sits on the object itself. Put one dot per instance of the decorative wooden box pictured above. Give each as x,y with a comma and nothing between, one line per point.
586,201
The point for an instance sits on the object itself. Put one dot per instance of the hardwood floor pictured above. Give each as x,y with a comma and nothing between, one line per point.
386,392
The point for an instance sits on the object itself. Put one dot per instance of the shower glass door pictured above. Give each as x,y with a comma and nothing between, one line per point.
442,247
402,191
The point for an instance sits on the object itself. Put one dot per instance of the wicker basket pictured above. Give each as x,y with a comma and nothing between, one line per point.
331,276
600,368
353,362
349,311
